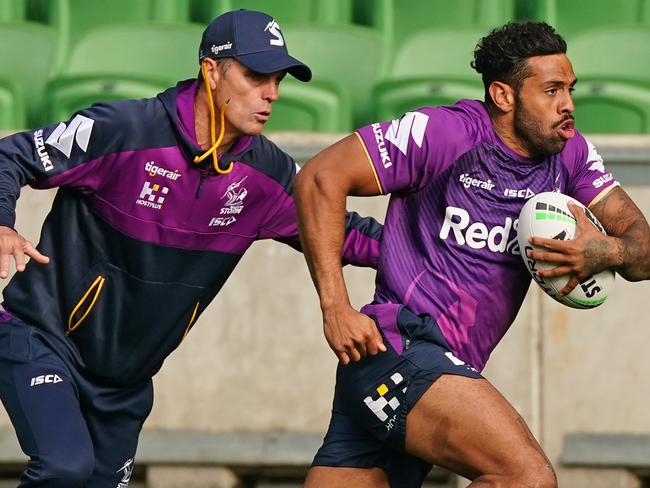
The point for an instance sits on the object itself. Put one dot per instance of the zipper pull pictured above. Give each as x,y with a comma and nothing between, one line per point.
407,343
204,175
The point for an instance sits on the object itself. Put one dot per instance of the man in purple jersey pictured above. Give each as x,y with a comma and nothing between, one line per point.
158,200
450,278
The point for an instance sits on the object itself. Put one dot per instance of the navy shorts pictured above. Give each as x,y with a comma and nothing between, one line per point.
374,396
77,432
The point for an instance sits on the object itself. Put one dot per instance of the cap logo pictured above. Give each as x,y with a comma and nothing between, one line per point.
274,29
223,47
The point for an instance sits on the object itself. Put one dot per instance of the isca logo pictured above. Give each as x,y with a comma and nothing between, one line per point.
45,378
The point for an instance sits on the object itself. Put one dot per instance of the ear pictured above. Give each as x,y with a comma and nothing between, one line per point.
211,72
503,96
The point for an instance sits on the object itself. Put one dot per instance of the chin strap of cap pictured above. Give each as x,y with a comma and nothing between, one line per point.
215,144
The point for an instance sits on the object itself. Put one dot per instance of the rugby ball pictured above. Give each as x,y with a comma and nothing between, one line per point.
548,215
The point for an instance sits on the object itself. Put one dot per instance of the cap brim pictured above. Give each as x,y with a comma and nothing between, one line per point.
267,62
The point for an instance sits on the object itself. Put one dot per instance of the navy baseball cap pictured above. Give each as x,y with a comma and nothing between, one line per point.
252,38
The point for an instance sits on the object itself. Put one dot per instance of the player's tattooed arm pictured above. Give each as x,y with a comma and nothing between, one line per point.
628,249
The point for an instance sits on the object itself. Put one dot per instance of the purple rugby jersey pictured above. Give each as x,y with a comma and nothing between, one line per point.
449,245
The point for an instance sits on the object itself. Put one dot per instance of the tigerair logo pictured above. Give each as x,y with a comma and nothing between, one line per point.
41,151
469,182
223,47
45,378
458,226
382,403
153,170
64,137
152,195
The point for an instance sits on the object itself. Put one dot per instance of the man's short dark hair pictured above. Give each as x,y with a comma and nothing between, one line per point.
502,54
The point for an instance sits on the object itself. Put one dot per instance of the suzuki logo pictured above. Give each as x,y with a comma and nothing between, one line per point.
63,137
412,124
274,29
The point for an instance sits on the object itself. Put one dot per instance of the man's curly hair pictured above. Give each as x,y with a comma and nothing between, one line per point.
502,54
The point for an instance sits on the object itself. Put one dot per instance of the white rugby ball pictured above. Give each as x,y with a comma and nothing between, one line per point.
548,215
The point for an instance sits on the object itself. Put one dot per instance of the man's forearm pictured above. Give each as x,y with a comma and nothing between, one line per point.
321,216
632,253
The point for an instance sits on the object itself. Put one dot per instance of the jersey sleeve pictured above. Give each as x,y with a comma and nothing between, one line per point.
407,153
362,234
55,155
589,179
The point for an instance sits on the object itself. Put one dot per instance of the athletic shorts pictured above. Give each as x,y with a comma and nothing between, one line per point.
374,396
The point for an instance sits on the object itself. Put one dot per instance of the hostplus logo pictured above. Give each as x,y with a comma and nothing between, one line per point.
383,406
471,182
477,235
152,169
152,195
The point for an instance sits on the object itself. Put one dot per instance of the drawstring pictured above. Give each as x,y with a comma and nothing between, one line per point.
215,145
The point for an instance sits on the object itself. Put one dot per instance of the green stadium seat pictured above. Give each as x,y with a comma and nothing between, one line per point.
613,90
12,10
573,16
400,19
350,57
27,52
12,109
618,53
431,68
310,107
125,61
73,19
285,11
612,108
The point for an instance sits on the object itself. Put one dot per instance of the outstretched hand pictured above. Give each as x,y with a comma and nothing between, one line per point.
588,253
351,334
13,244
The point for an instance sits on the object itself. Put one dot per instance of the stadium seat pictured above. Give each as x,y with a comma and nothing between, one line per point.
12,10
619,53
571,17
12,110
613,90
400,19
348,56
607,107
310,107
73,19
285,11
431,68
134,61
27,52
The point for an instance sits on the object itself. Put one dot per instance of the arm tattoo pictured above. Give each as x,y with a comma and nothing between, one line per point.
622,219
597,252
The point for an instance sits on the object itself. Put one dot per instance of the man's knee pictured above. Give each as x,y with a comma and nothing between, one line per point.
58,472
